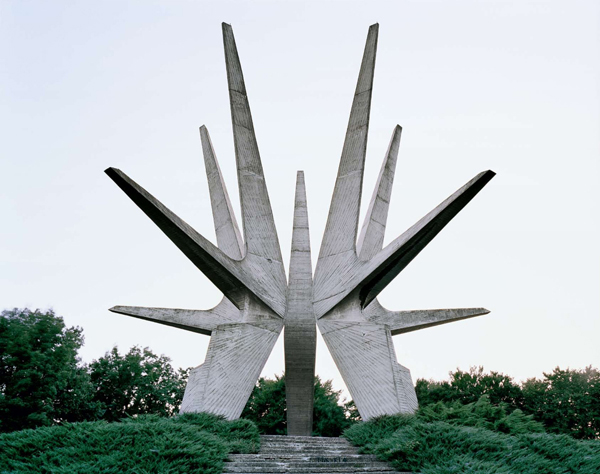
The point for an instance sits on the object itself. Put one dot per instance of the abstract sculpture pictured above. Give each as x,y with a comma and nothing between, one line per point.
258,302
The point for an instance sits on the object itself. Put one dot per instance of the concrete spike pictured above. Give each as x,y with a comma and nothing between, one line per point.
234,279
400,322
370,278
364,353
235,358
300,335
339,240
203,322
370,240
229,239
260,234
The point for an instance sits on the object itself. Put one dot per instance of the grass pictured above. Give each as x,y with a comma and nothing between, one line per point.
473,439
190,443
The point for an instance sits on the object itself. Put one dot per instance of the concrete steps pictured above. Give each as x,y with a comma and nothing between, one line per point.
306,455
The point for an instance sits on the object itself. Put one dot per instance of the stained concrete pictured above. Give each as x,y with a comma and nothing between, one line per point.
351,271
300,333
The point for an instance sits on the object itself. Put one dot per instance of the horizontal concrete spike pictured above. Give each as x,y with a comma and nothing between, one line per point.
203,322
234,279
229,239
370,278
400,322
370,240
260,234
339,240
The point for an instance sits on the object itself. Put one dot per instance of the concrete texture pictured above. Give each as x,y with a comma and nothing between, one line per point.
249,271
351,271
292,454
300,333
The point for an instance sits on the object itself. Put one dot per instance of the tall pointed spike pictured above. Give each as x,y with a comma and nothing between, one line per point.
339,240
396,256
228,234
260,234
231,277
370,278
371,236
203,322
300,336
400,322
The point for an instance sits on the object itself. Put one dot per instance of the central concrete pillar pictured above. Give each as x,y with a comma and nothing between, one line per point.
300,332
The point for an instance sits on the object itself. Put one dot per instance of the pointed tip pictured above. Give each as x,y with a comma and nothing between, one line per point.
374,26
114,309
484,311
202,128
109,170
491,173
398,128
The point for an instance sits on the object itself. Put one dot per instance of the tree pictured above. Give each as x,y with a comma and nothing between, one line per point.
468,387
266,407
566,401
41,381
139,382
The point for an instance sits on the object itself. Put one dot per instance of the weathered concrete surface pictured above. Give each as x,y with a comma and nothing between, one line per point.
349,274
292,454
249,271
258,301
300,333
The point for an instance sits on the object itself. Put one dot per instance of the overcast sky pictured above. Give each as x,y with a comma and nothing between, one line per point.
508,86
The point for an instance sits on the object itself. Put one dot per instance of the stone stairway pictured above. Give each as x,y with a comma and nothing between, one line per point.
306,455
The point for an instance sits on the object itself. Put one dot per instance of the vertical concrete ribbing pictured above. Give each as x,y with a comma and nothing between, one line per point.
300,333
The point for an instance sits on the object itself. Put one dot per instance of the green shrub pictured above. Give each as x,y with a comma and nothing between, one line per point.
146,444
482,414
473,439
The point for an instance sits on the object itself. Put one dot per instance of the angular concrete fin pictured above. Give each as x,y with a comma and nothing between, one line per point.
339,239
229,239
370,278
400,322
370,240
260,234
388,263
300,262
227,275
203,322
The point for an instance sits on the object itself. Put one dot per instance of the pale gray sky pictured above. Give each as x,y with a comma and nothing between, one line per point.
508,86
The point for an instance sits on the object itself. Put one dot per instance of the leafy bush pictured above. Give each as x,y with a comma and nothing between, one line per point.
565,401
482,414
146,444
410,443
266,407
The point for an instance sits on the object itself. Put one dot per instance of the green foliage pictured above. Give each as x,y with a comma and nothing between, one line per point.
565,401
139,382
147,444
412,443
266,407
468,387
40,380
481,414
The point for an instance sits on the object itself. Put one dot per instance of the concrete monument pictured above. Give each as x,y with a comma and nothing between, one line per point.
258,302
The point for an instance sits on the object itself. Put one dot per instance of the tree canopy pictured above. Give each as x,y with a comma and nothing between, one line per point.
565,401
266,407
